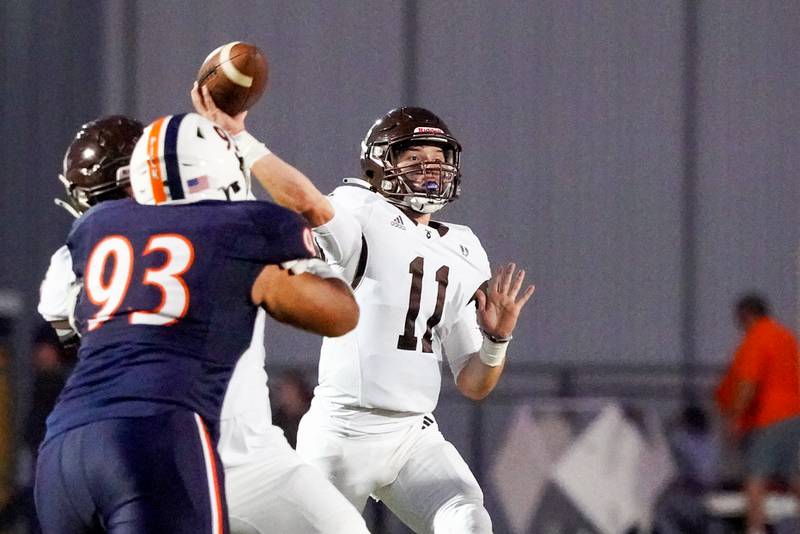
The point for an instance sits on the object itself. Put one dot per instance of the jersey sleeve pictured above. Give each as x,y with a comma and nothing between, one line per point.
340,239
56,294
475,254
482,266
274,235
464,339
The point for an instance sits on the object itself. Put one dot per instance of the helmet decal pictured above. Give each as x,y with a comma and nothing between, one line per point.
426,130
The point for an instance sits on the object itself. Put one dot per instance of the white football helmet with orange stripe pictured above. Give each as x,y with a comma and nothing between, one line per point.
187,158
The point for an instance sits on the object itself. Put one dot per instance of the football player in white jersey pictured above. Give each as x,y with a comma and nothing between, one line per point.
269,489
419,284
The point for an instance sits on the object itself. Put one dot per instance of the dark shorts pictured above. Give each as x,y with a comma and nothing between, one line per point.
774,450
138,475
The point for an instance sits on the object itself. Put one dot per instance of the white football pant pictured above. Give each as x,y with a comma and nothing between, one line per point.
275,492
416,472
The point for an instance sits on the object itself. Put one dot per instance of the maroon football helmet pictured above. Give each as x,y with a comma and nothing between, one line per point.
95,166
395,132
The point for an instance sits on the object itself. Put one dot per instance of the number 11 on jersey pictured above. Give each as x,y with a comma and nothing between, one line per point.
407,340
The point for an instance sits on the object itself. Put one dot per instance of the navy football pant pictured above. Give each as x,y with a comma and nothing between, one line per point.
137,475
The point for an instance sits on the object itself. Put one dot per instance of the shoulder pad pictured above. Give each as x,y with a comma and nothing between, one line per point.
352,196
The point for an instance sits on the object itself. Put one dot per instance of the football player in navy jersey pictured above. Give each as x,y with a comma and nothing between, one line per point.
268,487
171,286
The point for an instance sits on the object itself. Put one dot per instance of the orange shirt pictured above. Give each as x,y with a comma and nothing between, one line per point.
767,358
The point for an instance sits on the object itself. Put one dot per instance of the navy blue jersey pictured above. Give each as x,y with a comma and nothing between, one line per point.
166,308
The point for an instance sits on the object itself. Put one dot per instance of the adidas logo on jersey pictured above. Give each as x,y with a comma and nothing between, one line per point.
397,222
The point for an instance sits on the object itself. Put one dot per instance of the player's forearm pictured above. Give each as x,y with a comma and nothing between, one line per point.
327,308
476,380
318,304
291,189
288,186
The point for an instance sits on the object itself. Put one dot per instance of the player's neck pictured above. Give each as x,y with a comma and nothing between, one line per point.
419,218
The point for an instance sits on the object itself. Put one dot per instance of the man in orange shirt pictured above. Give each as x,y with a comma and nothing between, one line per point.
759,397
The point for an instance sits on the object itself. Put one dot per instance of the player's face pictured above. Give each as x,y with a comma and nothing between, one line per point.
428,176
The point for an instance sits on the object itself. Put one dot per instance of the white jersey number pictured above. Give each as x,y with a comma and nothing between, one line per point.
408,341
110,294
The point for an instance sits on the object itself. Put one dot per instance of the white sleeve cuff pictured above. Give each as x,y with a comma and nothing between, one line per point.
250,148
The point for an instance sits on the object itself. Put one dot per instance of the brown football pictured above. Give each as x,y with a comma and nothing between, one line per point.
236,75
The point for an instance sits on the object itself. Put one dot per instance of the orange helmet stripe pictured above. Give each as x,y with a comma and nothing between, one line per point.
154,161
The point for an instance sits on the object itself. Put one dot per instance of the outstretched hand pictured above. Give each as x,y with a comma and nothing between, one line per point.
205,106
498,305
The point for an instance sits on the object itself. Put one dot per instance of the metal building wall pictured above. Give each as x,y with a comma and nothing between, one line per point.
573,116
571,112
639,158
50,60
748,193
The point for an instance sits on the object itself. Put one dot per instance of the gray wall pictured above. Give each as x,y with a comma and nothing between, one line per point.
638,158
749,186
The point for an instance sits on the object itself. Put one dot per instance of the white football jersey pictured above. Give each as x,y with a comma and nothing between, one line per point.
59,288
246,417
415,286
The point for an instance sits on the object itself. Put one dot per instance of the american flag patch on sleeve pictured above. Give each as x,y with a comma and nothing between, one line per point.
198,184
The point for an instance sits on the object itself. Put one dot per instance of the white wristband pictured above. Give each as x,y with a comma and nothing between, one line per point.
492,354
250,148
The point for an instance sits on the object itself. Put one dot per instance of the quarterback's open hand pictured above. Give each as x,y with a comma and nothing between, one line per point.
205,106
498,305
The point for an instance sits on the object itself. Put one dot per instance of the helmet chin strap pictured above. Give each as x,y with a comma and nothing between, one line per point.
419,204
424,205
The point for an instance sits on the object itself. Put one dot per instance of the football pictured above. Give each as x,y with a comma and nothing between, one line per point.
236,76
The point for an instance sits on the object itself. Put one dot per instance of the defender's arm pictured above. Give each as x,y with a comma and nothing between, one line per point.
315,300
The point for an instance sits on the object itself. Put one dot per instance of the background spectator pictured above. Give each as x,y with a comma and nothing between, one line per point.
759,398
